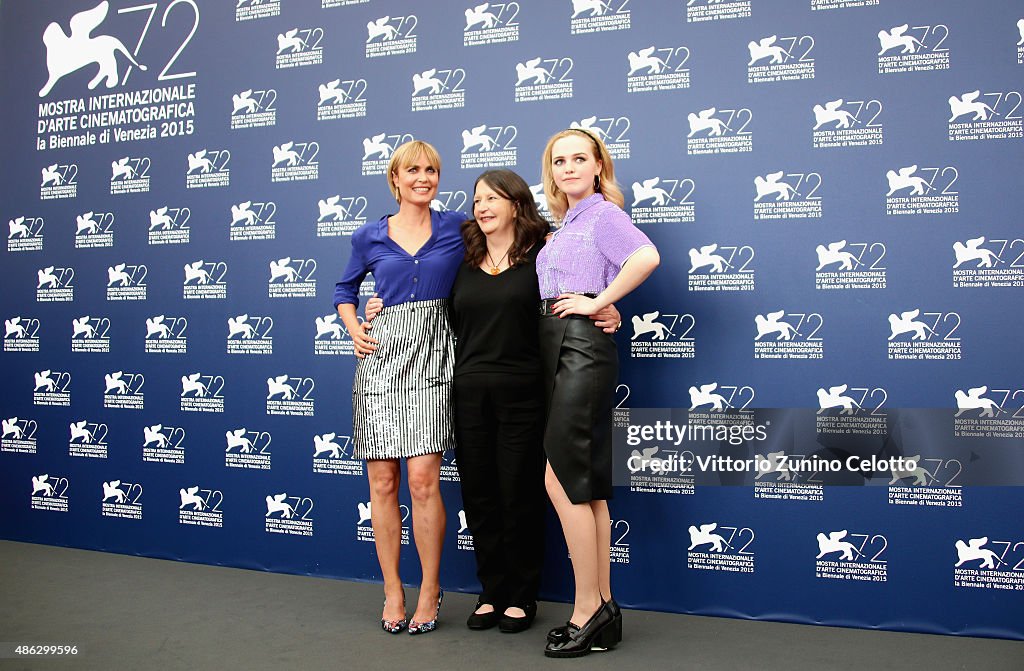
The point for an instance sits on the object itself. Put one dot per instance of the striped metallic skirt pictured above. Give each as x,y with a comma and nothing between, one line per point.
401,394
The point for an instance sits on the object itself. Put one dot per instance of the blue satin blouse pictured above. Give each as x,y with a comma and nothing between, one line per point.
401,278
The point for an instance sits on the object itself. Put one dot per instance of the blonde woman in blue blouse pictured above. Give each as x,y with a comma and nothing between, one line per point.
401,393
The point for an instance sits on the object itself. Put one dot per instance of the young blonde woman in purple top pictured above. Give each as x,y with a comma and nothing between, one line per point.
595,258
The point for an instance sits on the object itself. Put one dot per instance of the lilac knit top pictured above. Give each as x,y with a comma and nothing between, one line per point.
587,252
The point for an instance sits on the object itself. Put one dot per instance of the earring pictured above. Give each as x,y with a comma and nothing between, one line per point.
597,183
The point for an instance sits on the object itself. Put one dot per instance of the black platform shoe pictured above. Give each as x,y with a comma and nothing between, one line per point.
561,634
558,634
616,621
480,621
514,625
599,633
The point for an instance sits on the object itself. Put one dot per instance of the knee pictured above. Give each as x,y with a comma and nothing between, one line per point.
423,486
384,485
553,486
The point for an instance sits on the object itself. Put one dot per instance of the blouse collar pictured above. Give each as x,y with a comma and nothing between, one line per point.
585,204
435,222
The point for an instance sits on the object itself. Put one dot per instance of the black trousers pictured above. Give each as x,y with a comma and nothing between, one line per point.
499,426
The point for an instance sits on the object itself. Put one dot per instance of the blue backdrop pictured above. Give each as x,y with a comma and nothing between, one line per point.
834,186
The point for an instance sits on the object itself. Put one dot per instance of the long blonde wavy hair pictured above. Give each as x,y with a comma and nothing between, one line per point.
557,201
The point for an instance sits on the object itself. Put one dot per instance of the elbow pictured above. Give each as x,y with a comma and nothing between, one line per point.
653,259
643,260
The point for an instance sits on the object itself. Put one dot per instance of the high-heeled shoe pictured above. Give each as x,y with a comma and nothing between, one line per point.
597,634
558,634
430,625
394,626
561,634
613,639
616,621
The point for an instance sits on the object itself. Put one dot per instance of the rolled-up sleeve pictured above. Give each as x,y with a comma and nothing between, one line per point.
617,238
347,288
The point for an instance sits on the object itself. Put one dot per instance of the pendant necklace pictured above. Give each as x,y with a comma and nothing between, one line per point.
495,267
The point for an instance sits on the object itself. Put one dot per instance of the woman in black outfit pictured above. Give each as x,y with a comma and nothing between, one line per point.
499,398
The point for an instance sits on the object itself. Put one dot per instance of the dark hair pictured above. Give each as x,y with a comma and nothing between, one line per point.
530,227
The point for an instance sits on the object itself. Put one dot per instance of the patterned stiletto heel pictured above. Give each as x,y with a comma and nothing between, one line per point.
394,626
429,626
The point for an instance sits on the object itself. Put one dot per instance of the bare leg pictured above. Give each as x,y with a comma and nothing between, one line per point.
581,536
384,476
428,522
603,524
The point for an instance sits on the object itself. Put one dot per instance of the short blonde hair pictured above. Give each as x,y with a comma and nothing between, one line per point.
407,154
557,201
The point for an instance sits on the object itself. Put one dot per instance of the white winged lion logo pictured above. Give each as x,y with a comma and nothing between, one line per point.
66,54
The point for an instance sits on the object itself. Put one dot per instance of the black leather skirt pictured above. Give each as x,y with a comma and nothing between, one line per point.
581,369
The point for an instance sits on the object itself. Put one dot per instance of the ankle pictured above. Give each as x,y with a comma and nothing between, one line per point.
584,610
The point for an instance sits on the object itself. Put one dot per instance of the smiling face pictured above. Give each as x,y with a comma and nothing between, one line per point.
416,181
574,166
494,213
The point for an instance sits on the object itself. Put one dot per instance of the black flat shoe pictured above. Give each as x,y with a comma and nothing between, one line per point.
480,621
513,625
597,634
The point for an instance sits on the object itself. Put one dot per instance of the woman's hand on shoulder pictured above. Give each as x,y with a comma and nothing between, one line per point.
608,319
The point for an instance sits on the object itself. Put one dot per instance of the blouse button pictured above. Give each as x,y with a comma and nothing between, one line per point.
415,279
416,261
